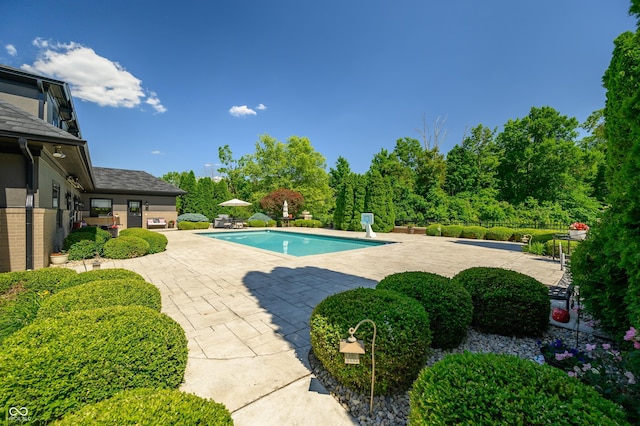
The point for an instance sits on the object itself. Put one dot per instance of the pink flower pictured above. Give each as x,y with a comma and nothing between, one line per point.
586,367
590,347
636,345
572,374
606,346
630,334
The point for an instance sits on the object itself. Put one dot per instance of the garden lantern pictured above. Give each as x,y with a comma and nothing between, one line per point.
352,348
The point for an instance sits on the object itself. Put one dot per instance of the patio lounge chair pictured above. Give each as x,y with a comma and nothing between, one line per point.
222,221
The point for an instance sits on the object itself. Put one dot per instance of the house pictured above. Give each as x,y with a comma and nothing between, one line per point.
48,184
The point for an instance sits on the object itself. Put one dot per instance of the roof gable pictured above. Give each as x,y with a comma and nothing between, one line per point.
17,122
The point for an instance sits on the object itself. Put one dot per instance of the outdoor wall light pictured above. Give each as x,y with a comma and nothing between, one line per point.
352,348
146,205
58,152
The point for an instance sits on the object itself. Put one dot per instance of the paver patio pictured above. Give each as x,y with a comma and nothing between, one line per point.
246,311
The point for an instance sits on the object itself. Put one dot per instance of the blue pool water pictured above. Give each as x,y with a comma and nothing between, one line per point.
293,243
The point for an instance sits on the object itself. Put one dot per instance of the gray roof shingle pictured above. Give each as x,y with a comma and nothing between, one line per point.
131,181
16,121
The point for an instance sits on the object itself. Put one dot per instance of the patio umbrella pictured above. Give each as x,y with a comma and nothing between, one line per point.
234,203
285,209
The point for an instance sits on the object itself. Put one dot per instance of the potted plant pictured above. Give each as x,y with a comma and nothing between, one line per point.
410,227
172,223
578,230
59,258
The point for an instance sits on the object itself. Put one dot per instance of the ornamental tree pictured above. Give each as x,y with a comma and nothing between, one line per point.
273,202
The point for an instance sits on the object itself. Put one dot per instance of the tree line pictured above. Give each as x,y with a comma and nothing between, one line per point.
537,169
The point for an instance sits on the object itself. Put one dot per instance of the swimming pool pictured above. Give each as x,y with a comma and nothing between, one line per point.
293,243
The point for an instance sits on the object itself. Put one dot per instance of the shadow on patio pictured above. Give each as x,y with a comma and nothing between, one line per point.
290,295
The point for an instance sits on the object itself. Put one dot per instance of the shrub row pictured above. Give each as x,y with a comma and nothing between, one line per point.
505,390
415,309
261,223
497,233
307,223
193,225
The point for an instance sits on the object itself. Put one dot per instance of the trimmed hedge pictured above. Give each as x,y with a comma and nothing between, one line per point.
102,294
57,365
99,274
157,241
434,230
186,226
192,217
255,223
505,390
506,302
448,304
402,340
151,407
474,232
499,233
22,292
307,223
454,231
91,233
126,248
85,249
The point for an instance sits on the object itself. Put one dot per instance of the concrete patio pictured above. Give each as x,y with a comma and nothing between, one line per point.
245,311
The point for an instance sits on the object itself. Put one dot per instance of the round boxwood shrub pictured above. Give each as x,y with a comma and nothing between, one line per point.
506,302
57,365
186,226
126,248
192,217
499,233
151,407
157,241
434,230
91,233
448,304
452,231
85,249
102,294
201,225
99,274
505,390
402,340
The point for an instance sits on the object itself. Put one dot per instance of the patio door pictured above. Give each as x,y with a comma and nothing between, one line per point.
134,213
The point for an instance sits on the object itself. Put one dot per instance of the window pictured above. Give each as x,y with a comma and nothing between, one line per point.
55,195
101,207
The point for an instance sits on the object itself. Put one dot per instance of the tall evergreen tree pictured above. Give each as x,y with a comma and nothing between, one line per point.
379,201
189,202
359,194
607,265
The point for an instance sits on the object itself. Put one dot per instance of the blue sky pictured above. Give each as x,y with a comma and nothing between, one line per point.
160,85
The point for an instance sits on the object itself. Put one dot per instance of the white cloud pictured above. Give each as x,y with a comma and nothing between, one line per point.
11,49
241,111
261,107
156,152
92,77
